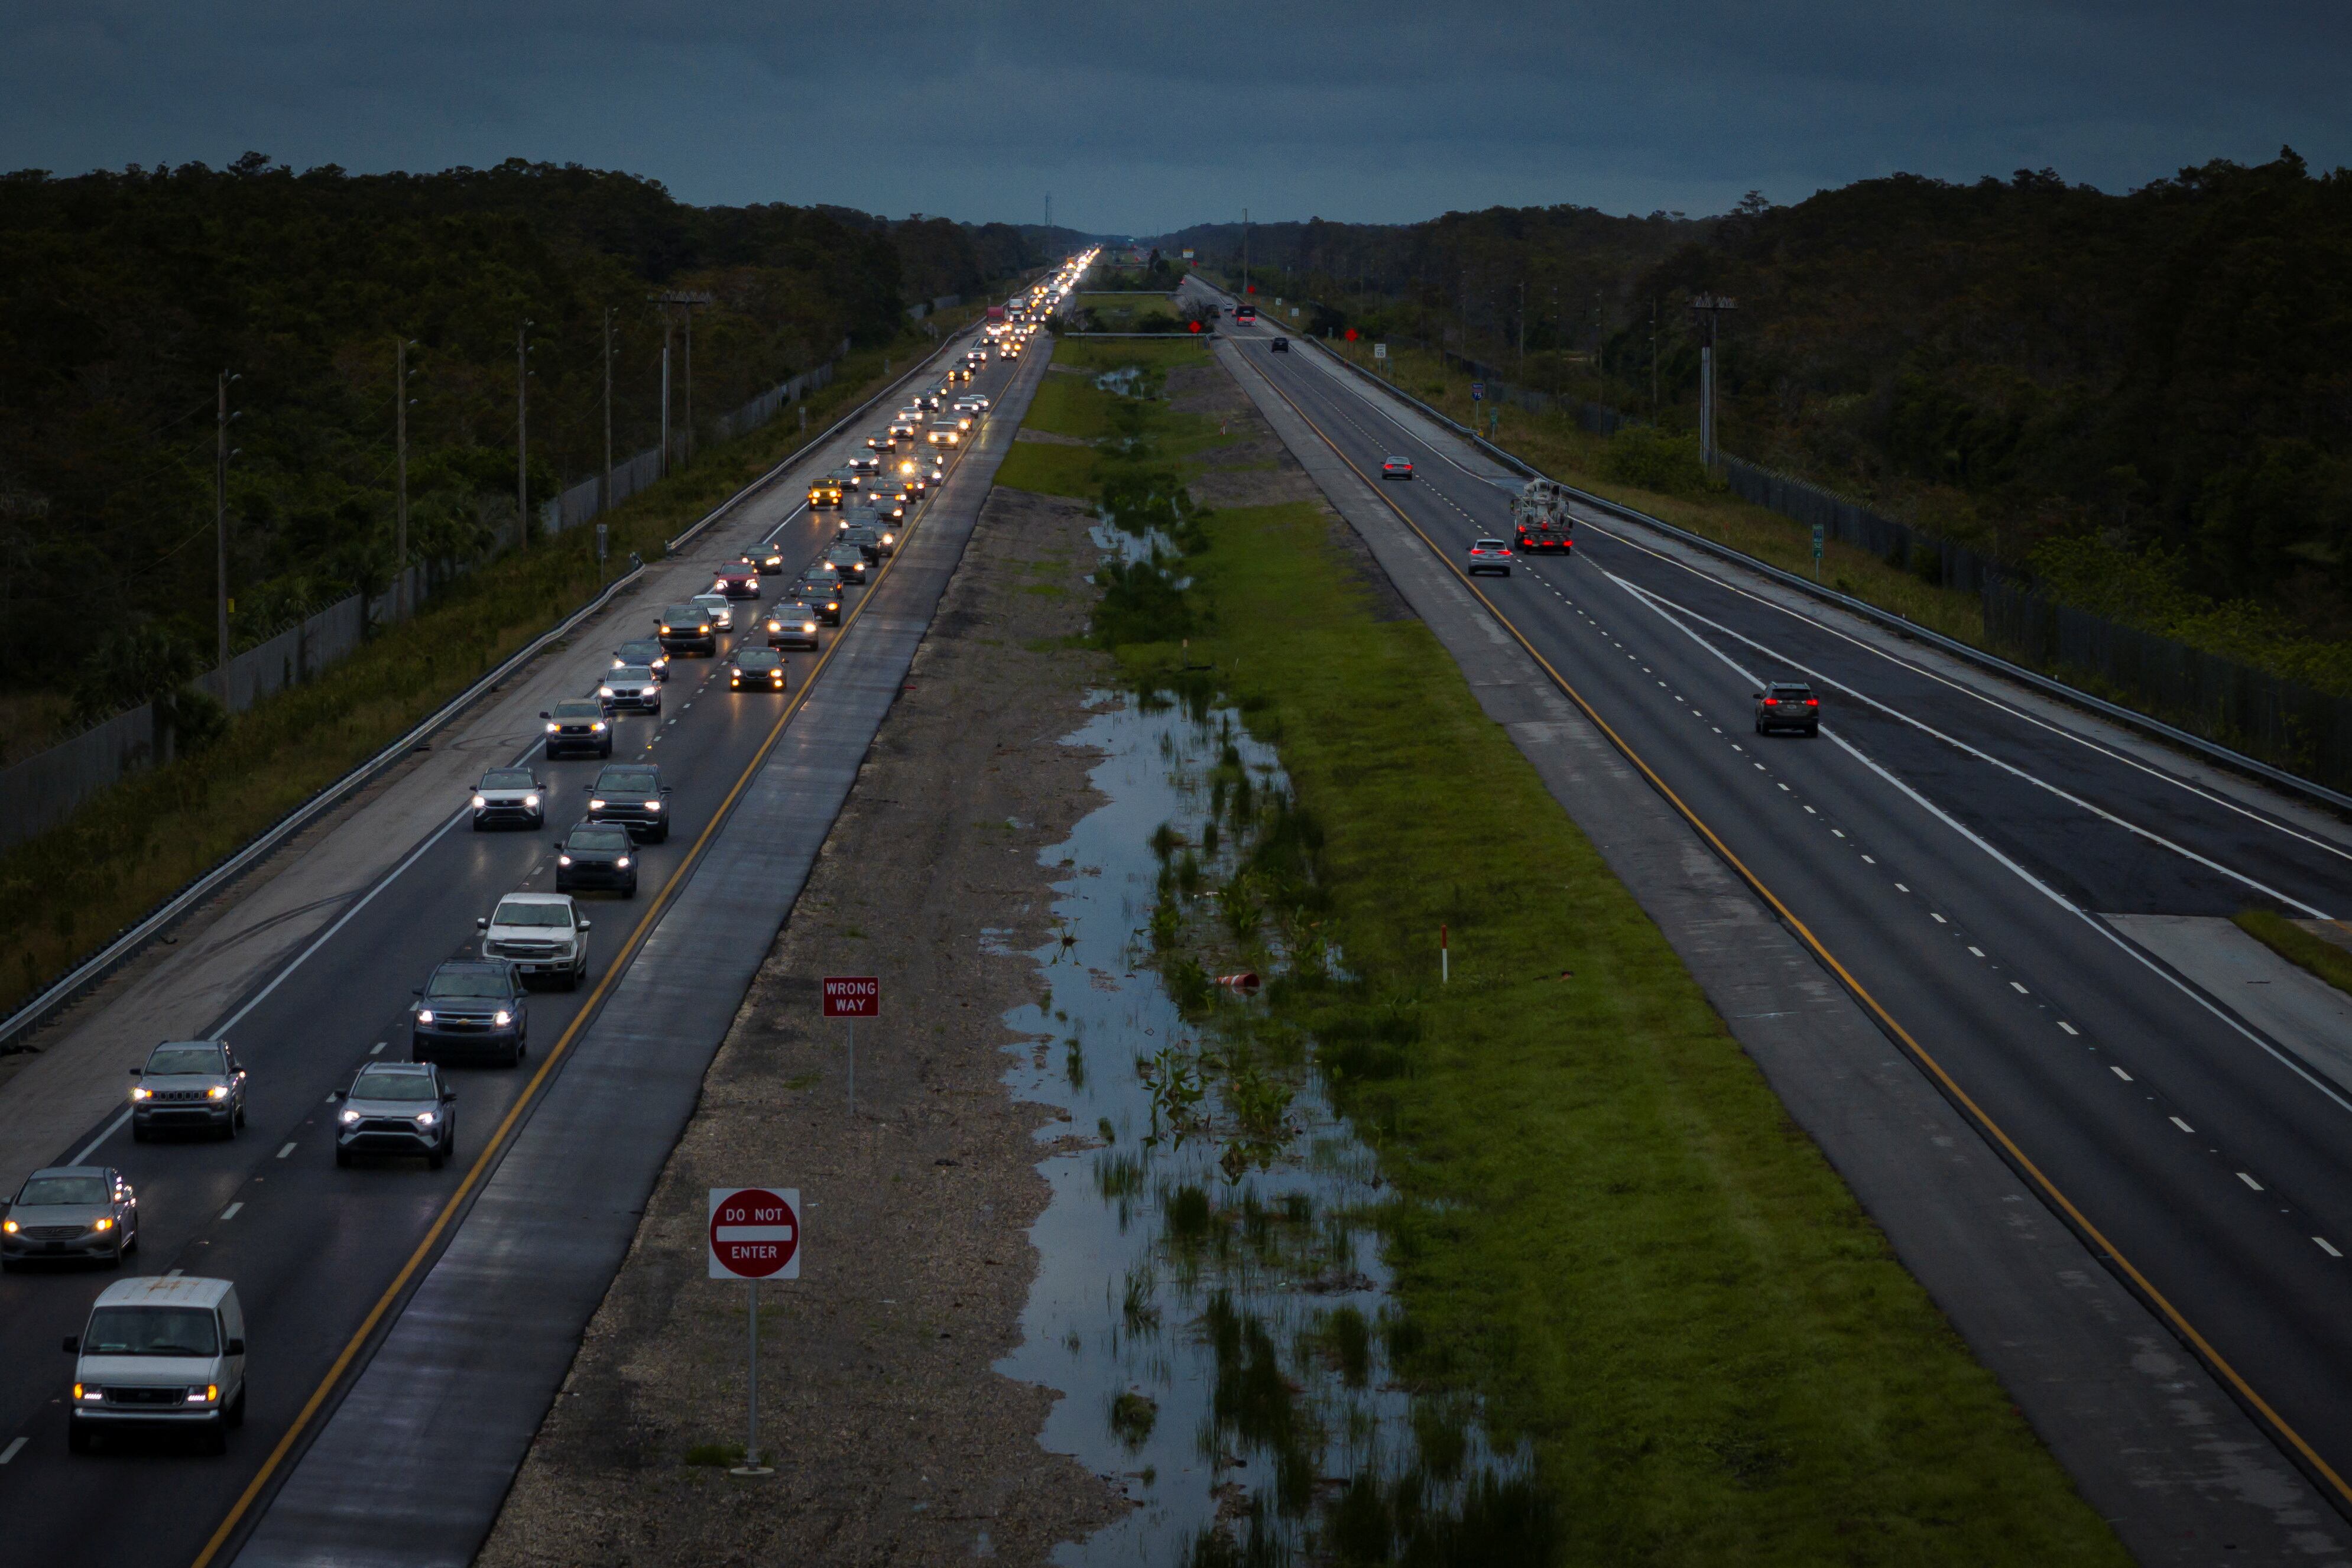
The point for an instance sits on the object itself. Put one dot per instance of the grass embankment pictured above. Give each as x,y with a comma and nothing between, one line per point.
2298,946
1556,444
67,891
1605,1222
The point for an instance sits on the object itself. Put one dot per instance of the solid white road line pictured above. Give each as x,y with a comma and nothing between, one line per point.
286,1151
230,1212
13,1449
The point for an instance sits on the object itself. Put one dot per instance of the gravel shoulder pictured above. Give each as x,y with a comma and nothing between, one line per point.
893,1438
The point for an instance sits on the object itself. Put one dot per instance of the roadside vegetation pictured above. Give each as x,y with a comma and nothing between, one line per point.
67,891
1603,1224
2290,941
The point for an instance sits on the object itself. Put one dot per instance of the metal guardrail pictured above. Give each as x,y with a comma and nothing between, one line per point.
2213,751
137,935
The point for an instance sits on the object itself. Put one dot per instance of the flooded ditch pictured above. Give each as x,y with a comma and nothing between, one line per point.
1211,1300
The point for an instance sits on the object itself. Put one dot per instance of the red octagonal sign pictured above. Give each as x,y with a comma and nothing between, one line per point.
755,1233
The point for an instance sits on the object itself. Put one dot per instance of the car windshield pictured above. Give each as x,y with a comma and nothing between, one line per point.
578,710
508,779
628,675
42,1191
467,983
598,839
171,1058
644,652
687,613
378,1085
792,607
1489,544
757,659
1798,692
151,1331
515,912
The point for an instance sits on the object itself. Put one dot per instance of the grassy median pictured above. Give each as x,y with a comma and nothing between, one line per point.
1605,1223
67,891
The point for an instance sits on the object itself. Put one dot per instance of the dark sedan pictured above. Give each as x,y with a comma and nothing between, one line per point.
688,629
792,623
848,562
578,724
767,559
822,594
756,670
470,1007
644,654
597,856
632,795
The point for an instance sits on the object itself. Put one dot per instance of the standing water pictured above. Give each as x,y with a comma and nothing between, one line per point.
1210,1298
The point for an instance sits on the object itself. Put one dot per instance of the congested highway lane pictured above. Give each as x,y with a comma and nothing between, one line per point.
1955,853
312,1247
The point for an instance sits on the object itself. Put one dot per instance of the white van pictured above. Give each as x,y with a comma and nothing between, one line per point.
159,1354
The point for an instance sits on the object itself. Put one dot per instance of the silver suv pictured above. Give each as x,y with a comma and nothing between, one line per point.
194,1083
397,1108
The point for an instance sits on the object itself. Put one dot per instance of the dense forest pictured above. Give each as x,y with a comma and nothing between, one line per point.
124,296
2152,389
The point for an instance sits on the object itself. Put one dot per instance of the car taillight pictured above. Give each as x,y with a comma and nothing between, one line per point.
1772,702
1813,702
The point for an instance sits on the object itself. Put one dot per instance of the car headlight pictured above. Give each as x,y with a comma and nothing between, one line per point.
719,586
218,1092
653,805
621,864
595,805
208,1394
889,538
563,860
9,1225
598,725
553,727
775,626
531,801
604,691
502,1018
350,1116
424,1015
91,1395
102,1224
139,1093
808,625
479,803
425,1118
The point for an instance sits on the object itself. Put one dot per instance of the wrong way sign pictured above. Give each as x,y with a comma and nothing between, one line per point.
755,1233
853,996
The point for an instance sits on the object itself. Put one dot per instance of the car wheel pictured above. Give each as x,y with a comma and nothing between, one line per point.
630,890
436,1158
235,1416
343,1157
240,1111
138,1133
131,1245
114,1258
77,1439
214,1441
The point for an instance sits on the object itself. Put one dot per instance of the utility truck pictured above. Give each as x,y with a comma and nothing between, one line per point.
1540,518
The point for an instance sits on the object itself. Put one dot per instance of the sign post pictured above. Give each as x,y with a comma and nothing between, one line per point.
1817,552
755,1235
1445,957
1477,391
850,998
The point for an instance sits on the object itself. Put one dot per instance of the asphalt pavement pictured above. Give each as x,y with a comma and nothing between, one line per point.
1954,852
325,1258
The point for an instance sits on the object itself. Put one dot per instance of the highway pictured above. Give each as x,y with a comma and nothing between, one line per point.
1956,854
313,1249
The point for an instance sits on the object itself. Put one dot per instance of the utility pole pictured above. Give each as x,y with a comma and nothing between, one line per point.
1709,309
1049,214
1466,317
1523,328
522,435
400,464
606,499
221,455
689,299
1653,362
1245,250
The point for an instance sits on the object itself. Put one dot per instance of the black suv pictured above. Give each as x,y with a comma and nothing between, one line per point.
470,1007
578,724
631,794
597,855
1787,704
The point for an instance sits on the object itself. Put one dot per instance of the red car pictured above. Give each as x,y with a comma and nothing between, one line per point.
737,580
1395,468
1490,555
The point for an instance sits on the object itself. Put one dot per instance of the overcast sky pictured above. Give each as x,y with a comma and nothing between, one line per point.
1140,118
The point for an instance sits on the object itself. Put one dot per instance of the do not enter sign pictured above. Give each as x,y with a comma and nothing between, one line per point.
755,1233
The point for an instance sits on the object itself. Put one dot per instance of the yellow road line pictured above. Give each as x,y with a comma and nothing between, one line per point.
1993,1129
482,1162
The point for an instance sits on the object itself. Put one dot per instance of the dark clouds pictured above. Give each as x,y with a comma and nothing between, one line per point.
1144,117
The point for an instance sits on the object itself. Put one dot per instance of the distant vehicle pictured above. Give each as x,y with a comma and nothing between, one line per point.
542,933
767,559
597,855
1490,555
577,723
738,580
792,623
996,312
630,689
822,594
646,653
1246,315
864,464
880,441
688,629
960,373
1787,704
470,1006
397,1108
945,433
509,795
756,670
868,541
827,491
1280,346
902,428
1395,468
718,607
631,794
194,1083
1541,519
933,398
848,562
161,1353
72,1211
